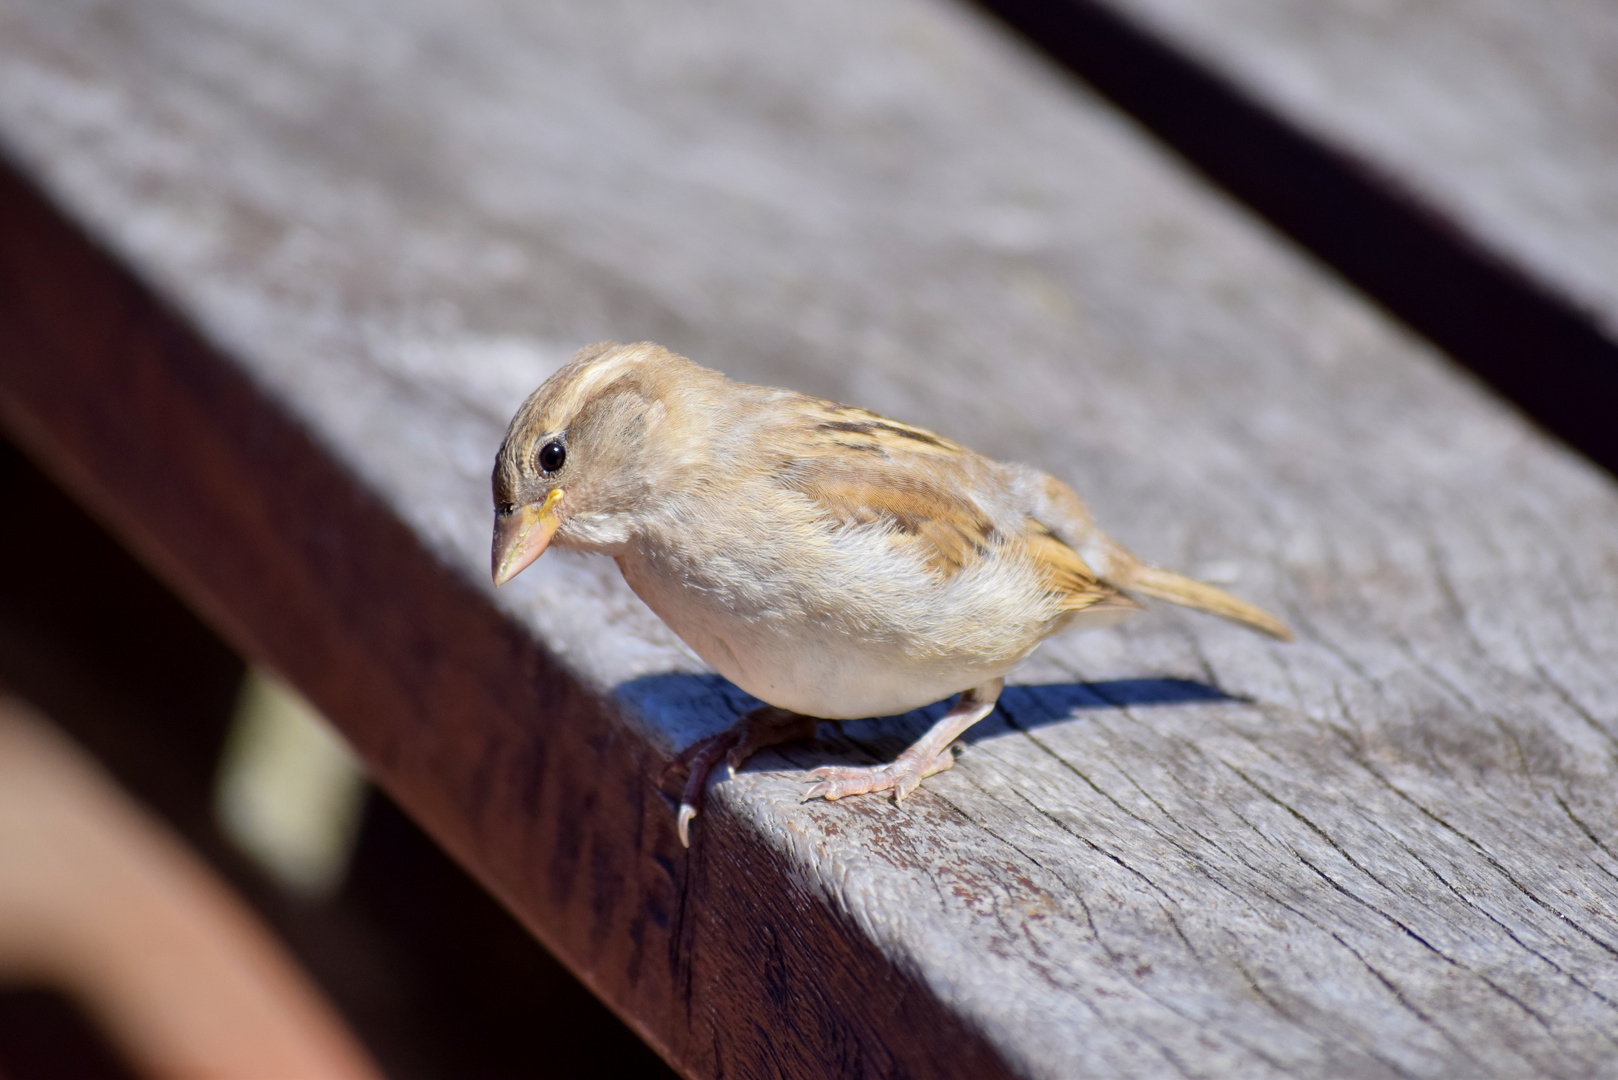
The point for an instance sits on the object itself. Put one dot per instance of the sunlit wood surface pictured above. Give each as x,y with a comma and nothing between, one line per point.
327,247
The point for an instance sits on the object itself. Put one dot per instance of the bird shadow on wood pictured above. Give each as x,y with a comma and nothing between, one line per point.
684,707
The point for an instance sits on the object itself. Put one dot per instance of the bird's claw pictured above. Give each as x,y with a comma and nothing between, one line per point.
901,776
682,824
700,761
762,727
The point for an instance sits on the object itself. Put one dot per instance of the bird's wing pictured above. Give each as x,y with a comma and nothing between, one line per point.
863,469
1067,574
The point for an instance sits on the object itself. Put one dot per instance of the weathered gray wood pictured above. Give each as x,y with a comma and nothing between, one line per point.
1501,116
1406,195
1388,854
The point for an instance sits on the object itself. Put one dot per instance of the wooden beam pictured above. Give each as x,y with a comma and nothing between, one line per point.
515,767
293,268
1466,196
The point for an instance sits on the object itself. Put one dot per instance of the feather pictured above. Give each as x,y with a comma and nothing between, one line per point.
915,483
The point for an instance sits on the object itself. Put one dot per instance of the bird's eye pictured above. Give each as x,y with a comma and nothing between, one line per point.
552,455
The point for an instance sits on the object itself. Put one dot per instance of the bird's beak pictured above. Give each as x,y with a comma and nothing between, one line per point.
521,536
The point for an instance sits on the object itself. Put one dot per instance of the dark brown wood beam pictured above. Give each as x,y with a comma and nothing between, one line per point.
522,773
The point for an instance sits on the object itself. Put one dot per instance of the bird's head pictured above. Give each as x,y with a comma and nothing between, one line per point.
583,456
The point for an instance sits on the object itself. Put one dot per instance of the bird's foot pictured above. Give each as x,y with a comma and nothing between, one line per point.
700,759
765,726
900,776
927,755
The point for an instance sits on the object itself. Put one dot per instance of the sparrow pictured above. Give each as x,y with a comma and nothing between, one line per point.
831,562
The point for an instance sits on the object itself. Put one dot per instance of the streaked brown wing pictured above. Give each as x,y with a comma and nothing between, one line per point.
1067,574
827,424
945,530
865,469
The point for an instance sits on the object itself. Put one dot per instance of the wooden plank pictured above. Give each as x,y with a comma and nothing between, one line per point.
1453,160
363,230
1499,115
521,772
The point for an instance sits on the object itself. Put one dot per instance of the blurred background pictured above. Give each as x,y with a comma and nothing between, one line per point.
432,977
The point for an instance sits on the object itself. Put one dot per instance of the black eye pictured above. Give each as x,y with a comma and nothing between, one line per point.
552,455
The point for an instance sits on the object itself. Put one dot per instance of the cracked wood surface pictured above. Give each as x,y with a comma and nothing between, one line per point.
1176,849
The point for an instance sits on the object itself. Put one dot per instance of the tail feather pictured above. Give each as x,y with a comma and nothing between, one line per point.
1167,585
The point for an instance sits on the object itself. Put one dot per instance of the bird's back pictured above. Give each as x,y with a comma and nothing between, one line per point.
862,565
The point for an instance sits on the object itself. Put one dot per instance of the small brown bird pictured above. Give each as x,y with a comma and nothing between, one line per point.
829,561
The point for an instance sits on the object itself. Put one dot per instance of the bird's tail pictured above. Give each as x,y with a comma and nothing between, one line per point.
1167,585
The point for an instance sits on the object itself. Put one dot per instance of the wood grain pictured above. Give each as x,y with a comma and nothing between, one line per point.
519,770
1451,160
1502,115
358,232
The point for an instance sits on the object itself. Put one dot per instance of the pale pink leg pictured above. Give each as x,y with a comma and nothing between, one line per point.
929,754
764,726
